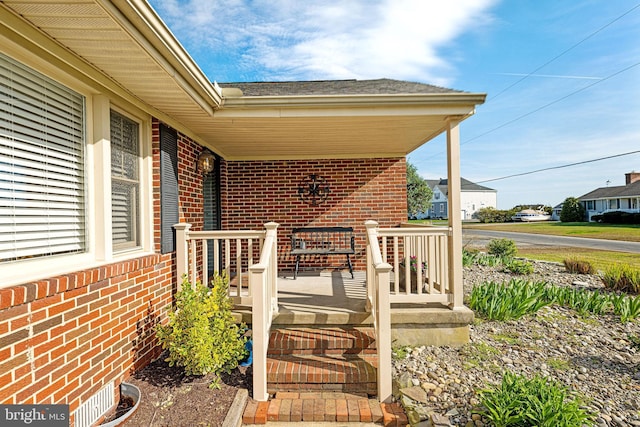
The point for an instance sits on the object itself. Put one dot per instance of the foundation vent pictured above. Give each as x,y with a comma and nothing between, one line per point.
95,407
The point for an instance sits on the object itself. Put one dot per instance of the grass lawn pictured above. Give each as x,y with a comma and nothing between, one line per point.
629,233
599,259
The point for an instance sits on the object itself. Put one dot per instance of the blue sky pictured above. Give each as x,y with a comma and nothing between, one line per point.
562,76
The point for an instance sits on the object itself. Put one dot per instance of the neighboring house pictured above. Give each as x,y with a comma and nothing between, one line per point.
473,197
617,198
555,212
103,120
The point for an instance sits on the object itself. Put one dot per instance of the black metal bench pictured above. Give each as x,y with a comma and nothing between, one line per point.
322,241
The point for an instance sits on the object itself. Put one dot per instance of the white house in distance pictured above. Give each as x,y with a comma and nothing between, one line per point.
473,197
624,198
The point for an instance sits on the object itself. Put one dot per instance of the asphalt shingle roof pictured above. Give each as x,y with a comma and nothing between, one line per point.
629,190
465,185
337,87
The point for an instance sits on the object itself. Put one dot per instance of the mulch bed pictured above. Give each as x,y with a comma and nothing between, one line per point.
170,398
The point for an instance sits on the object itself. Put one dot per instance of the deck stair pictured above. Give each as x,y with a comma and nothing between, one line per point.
321,374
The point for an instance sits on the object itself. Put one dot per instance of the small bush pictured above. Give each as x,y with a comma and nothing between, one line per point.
622,278
538,401
470,258
492,215
617,217
628,308
576,266
505,301
519,267
502,247
201,336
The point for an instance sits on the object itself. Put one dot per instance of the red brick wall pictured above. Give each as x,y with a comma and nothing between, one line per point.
63,338
257,192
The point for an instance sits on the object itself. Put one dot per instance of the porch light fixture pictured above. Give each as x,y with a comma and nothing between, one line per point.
313,189
205,163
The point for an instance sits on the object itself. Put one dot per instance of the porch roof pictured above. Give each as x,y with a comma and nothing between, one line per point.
124,47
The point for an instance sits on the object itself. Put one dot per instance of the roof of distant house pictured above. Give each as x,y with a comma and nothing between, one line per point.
337,87
629,190
465,185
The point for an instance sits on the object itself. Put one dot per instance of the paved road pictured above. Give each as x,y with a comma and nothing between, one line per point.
478,237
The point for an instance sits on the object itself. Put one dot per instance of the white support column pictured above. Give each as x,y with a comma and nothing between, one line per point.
455,220
182,251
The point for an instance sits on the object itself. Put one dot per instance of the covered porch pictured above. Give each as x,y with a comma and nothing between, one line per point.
403,305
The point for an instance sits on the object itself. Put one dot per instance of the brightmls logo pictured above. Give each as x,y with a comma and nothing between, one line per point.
34,415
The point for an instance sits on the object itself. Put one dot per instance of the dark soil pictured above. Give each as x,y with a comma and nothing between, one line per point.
170,398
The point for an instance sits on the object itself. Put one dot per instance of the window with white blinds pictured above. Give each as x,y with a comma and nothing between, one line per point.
125,182
42,188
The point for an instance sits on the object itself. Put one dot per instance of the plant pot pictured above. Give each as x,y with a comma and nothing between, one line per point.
247,361
129,401
402,284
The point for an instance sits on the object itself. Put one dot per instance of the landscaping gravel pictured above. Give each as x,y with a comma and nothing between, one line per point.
597,356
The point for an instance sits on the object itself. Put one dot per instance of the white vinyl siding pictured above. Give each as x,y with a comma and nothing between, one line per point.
125,182
42,185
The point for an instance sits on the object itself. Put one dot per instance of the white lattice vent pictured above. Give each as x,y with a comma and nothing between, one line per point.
95,407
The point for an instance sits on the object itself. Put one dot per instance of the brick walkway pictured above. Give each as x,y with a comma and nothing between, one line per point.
323,407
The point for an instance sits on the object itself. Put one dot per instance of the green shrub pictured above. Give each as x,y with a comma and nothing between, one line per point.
628,308
492,215
519,267
502,247
505,301
470,258
572,210
538,401
576,266
623,278
201,336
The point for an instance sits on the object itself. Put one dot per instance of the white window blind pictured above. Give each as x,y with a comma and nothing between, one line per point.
42,190
125,182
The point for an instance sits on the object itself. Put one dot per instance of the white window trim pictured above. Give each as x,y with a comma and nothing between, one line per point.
98,196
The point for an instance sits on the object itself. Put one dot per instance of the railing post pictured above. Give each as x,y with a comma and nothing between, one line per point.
272,228
383,314
260,326
182,250
371,227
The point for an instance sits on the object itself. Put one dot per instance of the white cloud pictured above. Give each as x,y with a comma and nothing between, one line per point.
404,39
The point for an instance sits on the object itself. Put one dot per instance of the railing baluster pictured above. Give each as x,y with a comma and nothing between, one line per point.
239,273
227,256
192,256
205,262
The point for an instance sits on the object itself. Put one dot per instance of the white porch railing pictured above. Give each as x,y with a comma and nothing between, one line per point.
418,256
406,266
263,280
378,301
201,253
255,285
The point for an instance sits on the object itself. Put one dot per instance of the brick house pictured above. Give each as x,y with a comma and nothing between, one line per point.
103,120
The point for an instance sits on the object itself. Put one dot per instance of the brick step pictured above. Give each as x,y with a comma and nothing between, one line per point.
307,341
346,373
323,407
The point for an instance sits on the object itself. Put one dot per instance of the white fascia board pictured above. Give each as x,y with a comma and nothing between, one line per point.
145,26
464,100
